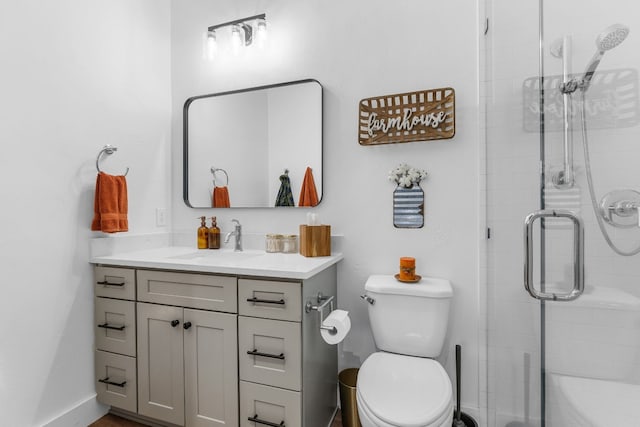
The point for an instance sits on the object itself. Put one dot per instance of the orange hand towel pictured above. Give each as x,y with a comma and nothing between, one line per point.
110,205
221,197
308,193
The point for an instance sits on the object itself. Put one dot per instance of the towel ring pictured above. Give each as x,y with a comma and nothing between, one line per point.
107,149
213,172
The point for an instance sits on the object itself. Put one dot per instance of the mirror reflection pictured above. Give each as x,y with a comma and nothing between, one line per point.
258,147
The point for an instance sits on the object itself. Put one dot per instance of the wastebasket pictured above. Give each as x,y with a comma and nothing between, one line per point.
348,379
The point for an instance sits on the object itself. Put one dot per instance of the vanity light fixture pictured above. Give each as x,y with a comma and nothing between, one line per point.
261,32
236,39
242,33
211,45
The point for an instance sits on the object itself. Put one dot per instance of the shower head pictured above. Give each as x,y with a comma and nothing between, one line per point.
608,39
611,37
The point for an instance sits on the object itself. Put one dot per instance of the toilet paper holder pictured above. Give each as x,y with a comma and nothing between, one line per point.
319,307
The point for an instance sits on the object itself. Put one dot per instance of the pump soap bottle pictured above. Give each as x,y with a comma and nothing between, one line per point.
203,234
214,234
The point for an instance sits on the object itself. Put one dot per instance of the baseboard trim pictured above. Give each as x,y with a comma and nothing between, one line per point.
80,415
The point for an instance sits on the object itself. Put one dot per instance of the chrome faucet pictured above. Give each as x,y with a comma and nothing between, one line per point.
236,232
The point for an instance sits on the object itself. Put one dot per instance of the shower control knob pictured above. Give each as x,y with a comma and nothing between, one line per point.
621,208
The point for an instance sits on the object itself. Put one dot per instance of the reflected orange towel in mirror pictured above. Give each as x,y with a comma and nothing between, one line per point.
110,204
308,192
221,197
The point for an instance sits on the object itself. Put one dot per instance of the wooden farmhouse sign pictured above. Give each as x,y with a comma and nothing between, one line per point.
407,117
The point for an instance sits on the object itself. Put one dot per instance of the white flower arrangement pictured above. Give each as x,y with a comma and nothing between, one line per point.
406,176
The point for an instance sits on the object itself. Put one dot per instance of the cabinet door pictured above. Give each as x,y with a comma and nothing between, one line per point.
270,299
116,380
271,406
270,352
160,363
205,291
115,326
210,368
115,282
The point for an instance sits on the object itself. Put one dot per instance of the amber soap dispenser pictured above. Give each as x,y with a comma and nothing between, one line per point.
214,234
203,234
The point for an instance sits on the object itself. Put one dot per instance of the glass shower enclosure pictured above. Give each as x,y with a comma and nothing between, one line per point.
563,208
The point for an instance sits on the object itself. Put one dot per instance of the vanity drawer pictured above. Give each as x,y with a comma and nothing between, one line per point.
115,326
203,291
270,299
269,352
116,383
270,405
115,282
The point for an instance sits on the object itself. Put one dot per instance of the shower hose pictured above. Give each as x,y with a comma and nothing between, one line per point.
592,193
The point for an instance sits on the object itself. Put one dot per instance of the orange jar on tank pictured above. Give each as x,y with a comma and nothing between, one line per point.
407,268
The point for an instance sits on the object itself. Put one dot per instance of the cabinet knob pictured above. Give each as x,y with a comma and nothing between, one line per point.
175,323
186,325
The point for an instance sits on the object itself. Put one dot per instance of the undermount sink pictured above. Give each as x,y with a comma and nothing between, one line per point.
207,256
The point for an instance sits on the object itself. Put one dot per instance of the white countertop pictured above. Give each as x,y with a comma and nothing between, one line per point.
248,262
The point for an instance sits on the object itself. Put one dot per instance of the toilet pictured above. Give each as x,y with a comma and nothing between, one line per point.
401,385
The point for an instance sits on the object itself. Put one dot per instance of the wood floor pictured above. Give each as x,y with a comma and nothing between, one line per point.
111,420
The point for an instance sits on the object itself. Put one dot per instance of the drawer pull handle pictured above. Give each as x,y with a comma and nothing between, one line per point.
108,326
273,356
255,419
106,381
175,323
107,283
265,301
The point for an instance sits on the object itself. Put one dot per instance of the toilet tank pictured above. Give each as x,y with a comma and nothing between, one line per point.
409,318
594,336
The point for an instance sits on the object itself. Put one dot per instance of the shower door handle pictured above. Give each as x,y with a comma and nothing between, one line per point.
578,255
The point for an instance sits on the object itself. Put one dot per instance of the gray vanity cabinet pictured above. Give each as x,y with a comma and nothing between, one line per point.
187,369
288,374
115,337
187,352
211,350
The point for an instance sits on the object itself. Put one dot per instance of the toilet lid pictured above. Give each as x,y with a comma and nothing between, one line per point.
404,390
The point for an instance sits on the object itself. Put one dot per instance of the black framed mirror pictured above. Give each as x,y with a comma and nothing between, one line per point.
241,143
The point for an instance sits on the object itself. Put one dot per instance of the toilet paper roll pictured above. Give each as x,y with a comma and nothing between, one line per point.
341,321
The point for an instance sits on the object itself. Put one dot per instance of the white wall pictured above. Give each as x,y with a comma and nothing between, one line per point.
76,75
359,49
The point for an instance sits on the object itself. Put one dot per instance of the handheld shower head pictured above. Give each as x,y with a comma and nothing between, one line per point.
611,37
608,39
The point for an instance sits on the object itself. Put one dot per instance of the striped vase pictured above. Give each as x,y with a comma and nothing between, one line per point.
408,207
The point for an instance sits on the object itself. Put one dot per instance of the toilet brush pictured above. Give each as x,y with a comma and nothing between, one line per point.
460,419
457,419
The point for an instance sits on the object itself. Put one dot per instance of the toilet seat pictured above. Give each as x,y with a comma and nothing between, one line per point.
397,390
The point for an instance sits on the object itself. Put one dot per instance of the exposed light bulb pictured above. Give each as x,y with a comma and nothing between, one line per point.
261,33
211,45
236,39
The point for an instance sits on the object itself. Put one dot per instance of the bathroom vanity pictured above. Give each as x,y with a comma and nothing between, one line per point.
211,338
